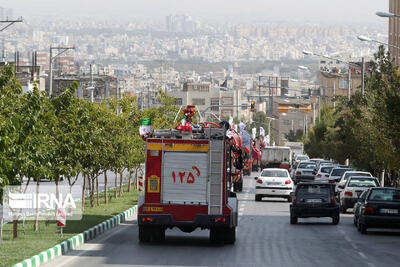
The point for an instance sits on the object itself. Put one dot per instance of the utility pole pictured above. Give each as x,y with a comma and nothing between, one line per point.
313,109
349,83
334,93
63,49
9,22
148,96
362,76
237,102
91,85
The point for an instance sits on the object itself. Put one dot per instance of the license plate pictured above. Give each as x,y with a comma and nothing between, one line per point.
274,183
307,172
314,200
389,211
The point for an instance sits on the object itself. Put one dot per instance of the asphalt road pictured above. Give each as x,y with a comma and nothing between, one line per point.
264,238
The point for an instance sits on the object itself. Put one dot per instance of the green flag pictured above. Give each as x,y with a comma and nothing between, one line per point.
145,126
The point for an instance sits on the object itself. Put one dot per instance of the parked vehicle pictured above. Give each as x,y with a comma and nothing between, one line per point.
325,163
323,173
357,205
188,182
379,209
347,175
316,160
336,174
305,171
273,183
314,200
353,188
272,156
298,159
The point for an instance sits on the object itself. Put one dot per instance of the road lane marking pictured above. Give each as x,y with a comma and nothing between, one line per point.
88,247
362,255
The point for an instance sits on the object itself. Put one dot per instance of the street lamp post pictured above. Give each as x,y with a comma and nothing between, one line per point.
386,14
309,53
64,49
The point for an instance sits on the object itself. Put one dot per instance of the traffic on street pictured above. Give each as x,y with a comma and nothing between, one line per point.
265,237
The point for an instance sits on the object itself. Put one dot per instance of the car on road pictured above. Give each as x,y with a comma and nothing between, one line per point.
325,163
299,158
305,171
323,173
353,188
314,200
379,209
316,160
273,182
357,205
337,172
347,175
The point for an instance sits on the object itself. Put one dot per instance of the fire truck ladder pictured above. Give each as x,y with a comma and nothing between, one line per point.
216,157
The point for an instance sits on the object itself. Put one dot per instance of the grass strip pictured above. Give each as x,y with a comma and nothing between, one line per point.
13,251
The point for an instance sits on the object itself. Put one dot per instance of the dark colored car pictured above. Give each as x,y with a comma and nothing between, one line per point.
379,209
314,200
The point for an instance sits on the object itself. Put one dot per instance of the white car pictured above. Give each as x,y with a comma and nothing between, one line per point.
352,190
346,175
274,182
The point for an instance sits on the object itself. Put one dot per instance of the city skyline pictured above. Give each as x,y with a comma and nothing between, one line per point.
337,12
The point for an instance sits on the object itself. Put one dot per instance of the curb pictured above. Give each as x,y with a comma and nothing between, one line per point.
76,241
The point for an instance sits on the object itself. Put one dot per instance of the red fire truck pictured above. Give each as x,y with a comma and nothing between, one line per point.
188,182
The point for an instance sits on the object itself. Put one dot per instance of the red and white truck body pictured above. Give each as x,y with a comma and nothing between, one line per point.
188,185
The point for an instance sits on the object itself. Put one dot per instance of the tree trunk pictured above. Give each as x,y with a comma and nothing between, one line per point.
36,224
57,196
1,223
15,227
136,176
130,180
83,192
120,184
97,190
116,184
105,187
91,181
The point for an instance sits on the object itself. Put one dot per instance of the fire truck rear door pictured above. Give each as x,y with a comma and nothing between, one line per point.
184,178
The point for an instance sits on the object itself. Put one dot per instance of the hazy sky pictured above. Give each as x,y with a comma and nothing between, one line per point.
327,11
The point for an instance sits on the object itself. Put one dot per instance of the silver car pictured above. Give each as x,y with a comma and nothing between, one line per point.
305,171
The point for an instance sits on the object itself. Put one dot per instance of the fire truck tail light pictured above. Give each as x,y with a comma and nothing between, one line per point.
148,219
220,219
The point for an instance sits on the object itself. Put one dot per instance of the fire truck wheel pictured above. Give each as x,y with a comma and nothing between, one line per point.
217,235
144,234
235,187
158,234
230,235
